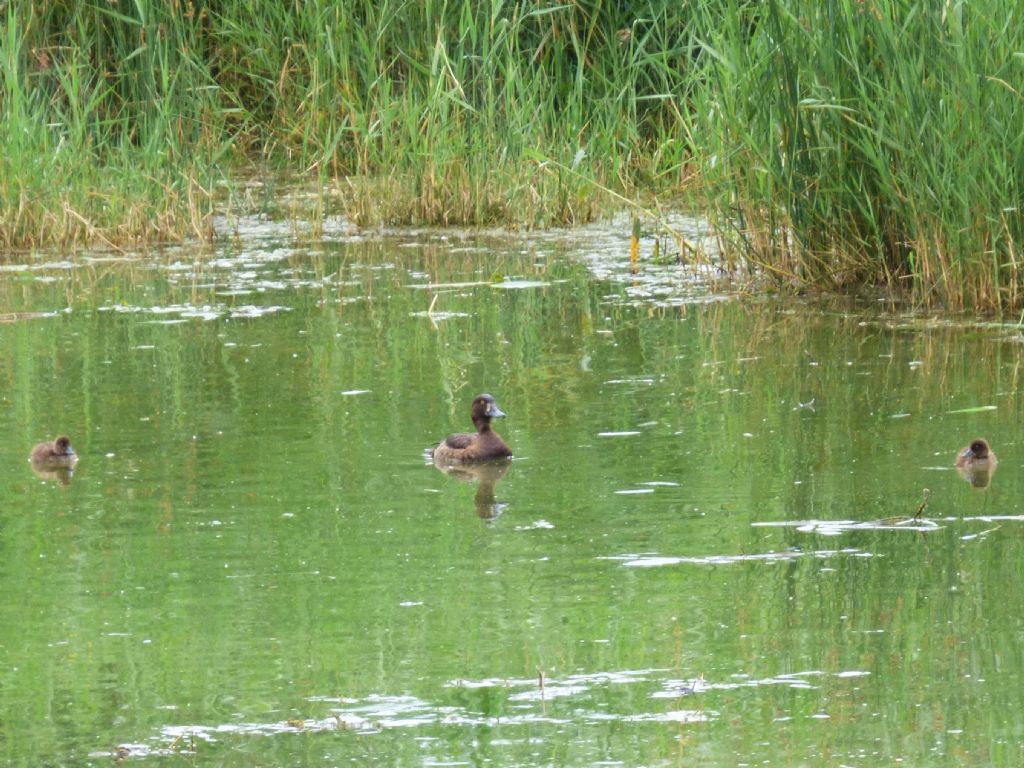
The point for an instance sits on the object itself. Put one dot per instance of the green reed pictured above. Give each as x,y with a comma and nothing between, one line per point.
122,116
855,143
107,132
840,144
445,112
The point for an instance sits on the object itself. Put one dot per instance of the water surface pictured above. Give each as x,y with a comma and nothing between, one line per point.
703,553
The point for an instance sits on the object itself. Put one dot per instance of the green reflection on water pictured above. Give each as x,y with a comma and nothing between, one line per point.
254,558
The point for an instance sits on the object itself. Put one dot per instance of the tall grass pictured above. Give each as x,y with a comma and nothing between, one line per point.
102,115
445,112
840,144
857,142
437,111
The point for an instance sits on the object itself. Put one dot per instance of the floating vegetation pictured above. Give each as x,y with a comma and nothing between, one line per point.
529,698
204,312
658,561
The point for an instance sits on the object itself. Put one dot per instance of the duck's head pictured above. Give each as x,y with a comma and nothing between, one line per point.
978,449
62,446
485,409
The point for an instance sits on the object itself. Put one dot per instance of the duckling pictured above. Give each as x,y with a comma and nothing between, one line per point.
59,453
976,463
977,455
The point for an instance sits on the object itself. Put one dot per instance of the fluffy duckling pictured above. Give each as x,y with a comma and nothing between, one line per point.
57,453
977,455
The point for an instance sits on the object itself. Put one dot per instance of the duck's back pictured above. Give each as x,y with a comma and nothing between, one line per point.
57,452
461,447
459,440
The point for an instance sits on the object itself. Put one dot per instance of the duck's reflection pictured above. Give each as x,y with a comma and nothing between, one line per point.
486,475
979,477
59,473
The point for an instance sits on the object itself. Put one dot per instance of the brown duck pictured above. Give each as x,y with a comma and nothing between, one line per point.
57,453
483,445
977,455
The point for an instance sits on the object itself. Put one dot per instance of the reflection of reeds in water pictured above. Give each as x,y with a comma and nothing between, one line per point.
504,332
886,391
922,364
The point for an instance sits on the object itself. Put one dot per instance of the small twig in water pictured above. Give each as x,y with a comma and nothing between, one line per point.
699,680
634,247
430,311
926,494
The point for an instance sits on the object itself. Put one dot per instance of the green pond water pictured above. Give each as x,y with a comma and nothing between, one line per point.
703,553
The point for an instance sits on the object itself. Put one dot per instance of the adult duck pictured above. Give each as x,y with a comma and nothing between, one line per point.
483,445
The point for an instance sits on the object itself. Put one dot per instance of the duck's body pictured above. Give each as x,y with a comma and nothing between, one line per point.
977,455
56,454
469,447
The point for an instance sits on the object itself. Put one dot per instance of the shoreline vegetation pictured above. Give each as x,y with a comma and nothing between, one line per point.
839,146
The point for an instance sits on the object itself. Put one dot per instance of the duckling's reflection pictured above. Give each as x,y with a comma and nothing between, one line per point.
486,475
59,473
979,477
